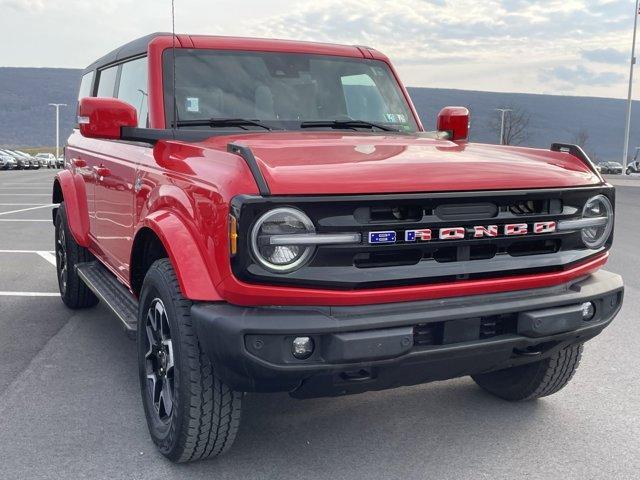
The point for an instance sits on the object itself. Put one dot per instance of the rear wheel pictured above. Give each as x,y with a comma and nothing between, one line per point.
191,413
75,294
533,380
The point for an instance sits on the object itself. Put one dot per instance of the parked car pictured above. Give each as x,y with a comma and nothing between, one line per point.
33,162
613,168
20,162
49,159
285,224
60,162
633,167
7,162
27,160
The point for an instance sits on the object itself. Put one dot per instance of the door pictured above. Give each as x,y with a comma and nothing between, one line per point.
115,174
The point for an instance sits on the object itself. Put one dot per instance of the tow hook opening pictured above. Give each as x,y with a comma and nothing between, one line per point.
534,350
359,375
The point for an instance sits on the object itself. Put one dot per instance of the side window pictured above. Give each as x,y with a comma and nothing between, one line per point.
133,88
85,85
363,98
107,81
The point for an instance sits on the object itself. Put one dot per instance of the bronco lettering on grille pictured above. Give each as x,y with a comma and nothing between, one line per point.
461,233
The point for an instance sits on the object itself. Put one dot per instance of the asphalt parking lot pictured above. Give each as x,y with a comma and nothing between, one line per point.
70,406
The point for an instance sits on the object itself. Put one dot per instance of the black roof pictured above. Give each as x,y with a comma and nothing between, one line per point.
131,49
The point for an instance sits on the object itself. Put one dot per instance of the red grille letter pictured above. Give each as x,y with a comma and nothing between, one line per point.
489,231
544,227
516,229
454,233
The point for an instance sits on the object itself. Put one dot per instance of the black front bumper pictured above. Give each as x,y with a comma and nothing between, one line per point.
384,346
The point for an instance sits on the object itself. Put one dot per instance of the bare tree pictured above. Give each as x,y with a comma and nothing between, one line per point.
581,138
516,125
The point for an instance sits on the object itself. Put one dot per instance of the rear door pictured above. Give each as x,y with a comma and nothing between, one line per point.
115,172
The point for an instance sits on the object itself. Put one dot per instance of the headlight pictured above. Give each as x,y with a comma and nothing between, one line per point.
281,221
599,211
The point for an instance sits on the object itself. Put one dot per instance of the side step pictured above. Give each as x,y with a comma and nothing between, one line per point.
109,290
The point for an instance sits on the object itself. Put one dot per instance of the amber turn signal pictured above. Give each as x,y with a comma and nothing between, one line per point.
233,235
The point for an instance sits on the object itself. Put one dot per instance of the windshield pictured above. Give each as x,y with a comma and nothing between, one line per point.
284,90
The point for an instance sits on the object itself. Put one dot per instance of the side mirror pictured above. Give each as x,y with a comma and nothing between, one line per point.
103,117
454,121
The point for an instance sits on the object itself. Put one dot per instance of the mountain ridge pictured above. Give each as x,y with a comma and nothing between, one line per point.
26,119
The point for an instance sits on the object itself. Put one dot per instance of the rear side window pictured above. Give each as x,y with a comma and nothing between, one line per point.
133,88
107,82
85,85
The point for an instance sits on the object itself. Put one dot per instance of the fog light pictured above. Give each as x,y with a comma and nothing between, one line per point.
588,311
302,347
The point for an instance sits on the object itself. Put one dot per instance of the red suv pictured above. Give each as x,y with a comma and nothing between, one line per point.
272,216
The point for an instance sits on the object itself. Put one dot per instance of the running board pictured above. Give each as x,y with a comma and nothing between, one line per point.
113,293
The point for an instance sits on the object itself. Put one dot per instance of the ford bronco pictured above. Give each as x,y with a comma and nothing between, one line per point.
271,216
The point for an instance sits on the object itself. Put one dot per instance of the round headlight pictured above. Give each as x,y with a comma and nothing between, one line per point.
597,207
281,221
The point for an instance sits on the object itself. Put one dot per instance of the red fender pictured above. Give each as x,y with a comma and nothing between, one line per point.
76,208
186,258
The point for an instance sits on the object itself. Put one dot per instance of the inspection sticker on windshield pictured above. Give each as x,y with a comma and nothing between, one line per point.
395,118
193,104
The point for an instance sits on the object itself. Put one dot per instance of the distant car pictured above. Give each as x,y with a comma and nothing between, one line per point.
633,167
21,158
49,159
20,163
614,168
33,161
7,162
60,162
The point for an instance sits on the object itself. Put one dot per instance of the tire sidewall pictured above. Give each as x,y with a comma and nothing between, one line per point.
163,434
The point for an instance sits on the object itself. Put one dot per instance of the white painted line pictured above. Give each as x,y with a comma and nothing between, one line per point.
23,220
26,209
29,294
26,251
20,204
49,257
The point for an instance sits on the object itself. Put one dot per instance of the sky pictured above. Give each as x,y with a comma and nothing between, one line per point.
566,47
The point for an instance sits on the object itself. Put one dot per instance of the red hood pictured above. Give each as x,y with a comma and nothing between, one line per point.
345,163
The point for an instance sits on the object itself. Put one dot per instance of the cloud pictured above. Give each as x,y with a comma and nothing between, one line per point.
606,55
580,75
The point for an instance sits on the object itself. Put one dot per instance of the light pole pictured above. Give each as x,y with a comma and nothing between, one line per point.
58,105
627,128
503,111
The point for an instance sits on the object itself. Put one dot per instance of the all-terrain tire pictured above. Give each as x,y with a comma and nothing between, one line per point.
75,294
205,412
533,380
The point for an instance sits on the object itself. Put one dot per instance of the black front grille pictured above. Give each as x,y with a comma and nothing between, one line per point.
365,265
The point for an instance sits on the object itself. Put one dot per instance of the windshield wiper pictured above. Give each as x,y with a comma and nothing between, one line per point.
223,122
349,124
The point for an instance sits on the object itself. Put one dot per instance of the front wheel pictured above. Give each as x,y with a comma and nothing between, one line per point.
75,294
190,412
533,380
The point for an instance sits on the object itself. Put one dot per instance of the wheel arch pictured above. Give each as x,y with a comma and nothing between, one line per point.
164,233
70,188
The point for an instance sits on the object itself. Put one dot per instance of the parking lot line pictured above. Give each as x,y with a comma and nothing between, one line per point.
29,294
21,204
49,257
27,209
27,251
22,220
